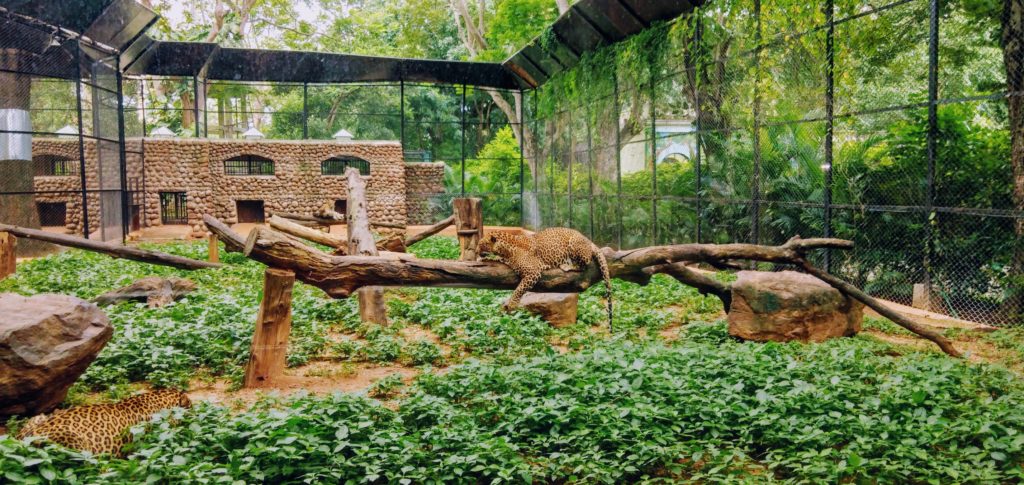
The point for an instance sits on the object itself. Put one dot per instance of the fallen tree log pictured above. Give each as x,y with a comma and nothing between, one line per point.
112,250
430,231
288,227
392,243
340,276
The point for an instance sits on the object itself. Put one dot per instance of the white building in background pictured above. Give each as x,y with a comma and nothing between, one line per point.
675,142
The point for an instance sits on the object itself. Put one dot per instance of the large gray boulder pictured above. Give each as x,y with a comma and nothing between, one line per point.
786,305
46,342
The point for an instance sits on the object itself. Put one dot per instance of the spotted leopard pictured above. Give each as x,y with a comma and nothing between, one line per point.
556,247
102,428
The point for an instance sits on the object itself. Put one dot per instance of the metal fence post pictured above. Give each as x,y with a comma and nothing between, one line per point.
305,110
618,159
401,114
571,155
590,171
829,121
698,46
123,166
654,164
932,135
195,102
522,173
755,185
81,140
463,125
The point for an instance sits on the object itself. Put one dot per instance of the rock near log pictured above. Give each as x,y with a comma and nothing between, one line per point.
558,309
46,342
784,306
153,290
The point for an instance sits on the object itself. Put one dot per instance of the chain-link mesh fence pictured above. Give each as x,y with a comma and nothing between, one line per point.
61,136
756,120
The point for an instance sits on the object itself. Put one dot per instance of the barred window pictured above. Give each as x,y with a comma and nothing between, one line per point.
248,165
55,165
337,165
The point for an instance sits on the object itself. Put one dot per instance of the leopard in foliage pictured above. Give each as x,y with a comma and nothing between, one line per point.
102,428
556,247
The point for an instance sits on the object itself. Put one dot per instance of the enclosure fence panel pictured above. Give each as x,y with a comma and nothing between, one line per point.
758,120
62,155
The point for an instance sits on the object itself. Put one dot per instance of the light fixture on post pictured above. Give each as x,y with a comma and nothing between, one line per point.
253,134
162,132
342,135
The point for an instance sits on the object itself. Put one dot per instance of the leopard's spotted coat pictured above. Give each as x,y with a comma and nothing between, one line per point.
102,428
556,247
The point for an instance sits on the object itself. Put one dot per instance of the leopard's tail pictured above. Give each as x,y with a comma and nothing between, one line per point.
606,275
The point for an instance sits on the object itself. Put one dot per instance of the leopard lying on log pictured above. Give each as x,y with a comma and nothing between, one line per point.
556,247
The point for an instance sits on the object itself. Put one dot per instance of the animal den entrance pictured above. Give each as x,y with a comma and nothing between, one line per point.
250,210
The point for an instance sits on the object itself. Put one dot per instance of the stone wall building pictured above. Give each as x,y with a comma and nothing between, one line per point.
178,180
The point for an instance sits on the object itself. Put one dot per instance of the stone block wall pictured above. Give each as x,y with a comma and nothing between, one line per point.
67,188
196,167
423,181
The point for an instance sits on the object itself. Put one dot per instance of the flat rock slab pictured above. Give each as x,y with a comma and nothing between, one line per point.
786,305
153,290
558,309
46,342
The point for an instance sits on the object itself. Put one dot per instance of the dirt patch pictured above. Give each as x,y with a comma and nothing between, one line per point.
313,378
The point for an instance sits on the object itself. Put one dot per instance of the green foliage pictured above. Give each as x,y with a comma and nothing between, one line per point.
705,409
209,329
386,387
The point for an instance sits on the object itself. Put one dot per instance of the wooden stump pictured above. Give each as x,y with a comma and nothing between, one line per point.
8,257
371,305
274,323
214,250
469,225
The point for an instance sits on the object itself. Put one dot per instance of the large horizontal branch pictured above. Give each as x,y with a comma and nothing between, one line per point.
113,250
339,276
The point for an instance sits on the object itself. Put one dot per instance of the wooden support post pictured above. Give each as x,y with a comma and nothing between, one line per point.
371,305
469,225
8,258
274,323
360,243
214,251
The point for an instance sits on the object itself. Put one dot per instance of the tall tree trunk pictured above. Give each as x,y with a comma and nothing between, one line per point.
1013,56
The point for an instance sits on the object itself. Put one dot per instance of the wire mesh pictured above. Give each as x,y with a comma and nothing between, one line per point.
889,125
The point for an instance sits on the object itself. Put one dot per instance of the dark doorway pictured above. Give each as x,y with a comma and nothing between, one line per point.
136,217
249,210
172,208
52,214
341,206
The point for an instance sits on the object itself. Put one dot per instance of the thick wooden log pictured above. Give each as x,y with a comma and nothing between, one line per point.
848,289
392,243
357,220
319,237
469,226
8,256
361,243
113,250
339,276
430,231
704,284
273,324
213,251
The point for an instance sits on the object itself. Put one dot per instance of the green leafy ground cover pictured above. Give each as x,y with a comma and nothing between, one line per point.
668,397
